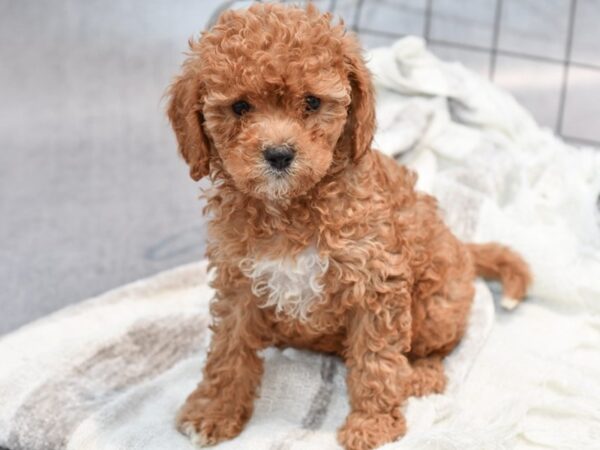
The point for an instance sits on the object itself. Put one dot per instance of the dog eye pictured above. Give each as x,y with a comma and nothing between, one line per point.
241,107
312,103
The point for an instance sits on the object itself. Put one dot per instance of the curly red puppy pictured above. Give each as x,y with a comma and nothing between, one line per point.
318,241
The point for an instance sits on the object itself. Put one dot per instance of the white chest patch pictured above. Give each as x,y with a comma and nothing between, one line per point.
289,285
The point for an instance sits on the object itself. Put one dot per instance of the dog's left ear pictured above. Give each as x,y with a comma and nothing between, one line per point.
361,117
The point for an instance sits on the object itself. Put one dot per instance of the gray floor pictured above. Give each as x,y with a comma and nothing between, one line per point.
92,194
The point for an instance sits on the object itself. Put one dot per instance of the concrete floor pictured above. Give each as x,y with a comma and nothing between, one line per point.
92,194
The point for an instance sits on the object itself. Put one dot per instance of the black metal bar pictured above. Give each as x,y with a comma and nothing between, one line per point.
567,63
566,67
215,15
495,39
580,141
480,49
427,22
332,6
357,13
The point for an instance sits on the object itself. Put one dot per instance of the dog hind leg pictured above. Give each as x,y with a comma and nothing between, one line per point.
428,376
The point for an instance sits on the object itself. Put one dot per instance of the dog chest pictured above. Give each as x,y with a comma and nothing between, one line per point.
290,285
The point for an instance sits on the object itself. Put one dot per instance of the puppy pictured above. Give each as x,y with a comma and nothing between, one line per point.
317,241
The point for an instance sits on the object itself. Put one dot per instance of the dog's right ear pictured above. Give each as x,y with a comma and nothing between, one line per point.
185,114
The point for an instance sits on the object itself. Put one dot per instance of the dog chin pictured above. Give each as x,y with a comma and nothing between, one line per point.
280,188
274,188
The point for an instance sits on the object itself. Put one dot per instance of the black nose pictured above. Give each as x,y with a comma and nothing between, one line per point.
279,157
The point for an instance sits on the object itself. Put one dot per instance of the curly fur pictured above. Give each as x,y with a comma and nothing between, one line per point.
289,285
340,254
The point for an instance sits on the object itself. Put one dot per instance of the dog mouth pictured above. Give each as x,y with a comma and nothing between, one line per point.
278,174
278,183
275,186
279,164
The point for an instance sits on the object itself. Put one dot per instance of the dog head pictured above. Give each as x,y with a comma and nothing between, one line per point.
272,98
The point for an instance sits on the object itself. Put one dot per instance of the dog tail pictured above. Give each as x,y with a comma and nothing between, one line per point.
501,263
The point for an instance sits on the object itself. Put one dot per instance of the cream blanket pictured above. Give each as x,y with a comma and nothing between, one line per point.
110,372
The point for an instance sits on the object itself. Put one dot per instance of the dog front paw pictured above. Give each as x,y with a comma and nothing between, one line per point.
209,422
367,431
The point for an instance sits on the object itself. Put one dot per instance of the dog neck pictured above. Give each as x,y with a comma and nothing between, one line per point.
275,229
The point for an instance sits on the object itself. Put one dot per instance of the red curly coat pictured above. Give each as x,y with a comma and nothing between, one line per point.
337,253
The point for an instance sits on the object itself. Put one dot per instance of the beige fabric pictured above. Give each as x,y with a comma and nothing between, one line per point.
112,371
